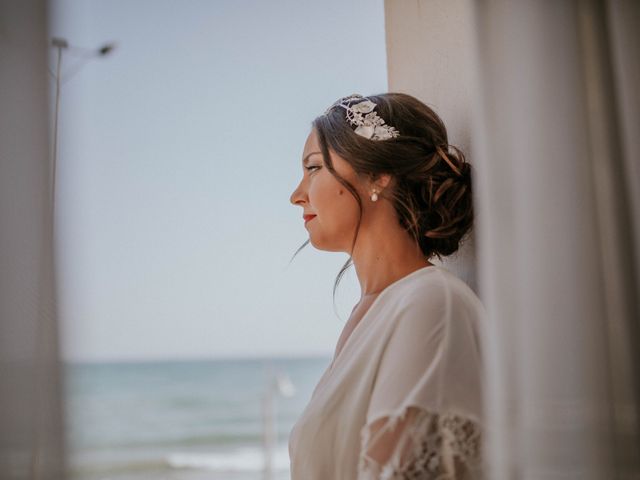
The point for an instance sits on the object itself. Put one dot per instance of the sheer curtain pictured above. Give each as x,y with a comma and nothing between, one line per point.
556,137
31,437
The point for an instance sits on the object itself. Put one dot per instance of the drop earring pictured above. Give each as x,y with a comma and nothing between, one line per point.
374,196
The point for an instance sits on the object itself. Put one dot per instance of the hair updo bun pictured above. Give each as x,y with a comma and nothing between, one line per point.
431,191
446,209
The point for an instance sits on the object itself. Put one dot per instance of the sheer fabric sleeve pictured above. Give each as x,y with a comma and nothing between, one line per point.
423,420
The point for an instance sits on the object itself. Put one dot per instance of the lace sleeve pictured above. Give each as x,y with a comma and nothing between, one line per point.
419,444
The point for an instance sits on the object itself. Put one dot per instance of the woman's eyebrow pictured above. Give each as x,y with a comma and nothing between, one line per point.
306,159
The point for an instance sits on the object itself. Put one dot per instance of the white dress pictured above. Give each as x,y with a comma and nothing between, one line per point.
403,398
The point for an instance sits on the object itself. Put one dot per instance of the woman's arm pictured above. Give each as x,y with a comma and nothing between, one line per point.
423,418
418,444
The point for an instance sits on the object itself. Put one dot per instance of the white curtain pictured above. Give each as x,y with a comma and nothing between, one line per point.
556,139
31,440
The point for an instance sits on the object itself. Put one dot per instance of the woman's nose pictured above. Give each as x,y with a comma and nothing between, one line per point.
297,196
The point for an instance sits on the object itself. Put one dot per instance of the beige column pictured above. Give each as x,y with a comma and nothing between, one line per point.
429,53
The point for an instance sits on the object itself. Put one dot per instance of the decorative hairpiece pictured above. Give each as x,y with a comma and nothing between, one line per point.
360,114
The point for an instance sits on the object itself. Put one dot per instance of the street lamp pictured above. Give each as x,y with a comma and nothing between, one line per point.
83,55
277,383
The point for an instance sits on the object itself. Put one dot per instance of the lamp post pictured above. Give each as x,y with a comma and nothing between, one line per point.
280,384
84,55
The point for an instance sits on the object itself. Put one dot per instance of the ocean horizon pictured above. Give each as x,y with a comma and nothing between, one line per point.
182,419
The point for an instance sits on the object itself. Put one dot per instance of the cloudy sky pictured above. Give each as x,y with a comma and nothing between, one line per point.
177,156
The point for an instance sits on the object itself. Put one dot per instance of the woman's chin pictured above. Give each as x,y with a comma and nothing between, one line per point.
324,245
315,243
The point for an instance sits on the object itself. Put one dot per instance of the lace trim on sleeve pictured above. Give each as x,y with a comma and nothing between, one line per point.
419,444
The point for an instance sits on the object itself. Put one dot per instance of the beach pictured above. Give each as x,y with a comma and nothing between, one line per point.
181,420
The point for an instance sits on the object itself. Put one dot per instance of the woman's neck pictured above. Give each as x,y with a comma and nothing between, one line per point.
383,254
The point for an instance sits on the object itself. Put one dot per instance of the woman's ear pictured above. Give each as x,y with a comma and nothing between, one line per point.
382,181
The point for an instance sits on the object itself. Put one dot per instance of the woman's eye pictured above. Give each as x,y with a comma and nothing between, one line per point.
312,167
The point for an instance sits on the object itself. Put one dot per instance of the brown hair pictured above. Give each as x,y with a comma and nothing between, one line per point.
431,188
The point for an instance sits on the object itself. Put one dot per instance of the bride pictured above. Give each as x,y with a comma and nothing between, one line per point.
402,398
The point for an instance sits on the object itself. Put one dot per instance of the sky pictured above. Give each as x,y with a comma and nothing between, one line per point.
177,155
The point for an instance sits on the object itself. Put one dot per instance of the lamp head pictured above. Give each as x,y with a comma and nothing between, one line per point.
59,42
106,49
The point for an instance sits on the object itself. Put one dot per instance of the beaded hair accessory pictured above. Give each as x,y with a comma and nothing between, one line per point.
359,112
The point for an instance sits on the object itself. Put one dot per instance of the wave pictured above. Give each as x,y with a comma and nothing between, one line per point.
219,440
244,459
240,460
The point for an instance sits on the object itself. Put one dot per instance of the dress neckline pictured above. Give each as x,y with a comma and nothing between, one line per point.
374,303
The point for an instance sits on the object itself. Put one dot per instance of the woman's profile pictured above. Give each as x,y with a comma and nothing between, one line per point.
402,397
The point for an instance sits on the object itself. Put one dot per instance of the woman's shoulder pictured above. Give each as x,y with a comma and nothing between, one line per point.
432,282
437,289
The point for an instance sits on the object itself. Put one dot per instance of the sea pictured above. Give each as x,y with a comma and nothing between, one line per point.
185,420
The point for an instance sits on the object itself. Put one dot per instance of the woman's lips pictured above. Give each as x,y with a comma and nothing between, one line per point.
307,217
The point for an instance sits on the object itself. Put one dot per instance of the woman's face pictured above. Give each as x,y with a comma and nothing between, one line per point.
334,210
